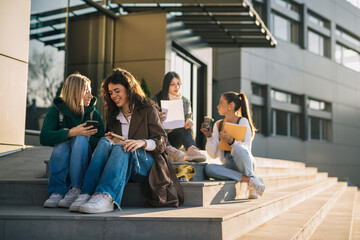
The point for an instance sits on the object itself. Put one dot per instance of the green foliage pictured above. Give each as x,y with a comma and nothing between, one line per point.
145,88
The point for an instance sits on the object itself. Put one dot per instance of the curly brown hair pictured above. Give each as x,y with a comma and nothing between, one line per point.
136,95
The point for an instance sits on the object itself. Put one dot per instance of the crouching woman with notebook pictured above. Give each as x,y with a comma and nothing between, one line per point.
238,163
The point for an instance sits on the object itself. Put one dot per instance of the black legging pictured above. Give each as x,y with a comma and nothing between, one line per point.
179,137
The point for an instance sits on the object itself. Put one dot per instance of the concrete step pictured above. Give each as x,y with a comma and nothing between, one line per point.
338,222
277,163
197,193
227,220
275,171
278,182
33,192
266,167
300,221
355,233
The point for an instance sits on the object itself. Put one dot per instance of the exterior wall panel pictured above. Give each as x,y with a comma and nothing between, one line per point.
14,50
298,71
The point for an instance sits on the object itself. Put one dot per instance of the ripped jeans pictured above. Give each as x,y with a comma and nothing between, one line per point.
111,168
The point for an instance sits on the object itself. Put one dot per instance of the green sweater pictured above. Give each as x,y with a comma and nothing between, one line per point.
51,133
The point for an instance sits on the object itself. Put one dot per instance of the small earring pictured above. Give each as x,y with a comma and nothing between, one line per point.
229,109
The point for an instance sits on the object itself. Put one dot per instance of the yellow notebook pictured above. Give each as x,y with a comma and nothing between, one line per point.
235,131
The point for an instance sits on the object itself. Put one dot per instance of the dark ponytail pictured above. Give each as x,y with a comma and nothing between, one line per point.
242,108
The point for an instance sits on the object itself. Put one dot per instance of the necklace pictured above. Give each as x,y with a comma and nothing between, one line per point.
127,114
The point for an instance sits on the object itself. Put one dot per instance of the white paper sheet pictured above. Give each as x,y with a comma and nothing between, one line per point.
175,113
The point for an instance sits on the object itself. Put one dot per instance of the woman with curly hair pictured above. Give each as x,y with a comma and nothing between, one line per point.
139,157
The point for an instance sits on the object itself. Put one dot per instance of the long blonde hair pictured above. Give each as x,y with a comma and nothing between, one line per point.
72,92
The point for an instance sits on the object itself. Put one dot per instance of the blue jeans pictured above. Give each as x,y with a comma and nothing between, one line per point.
111,168
68,163
240,163
181,136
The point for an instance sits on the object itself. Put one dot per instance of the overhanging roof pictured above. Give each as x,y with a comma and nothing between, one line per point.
227,23
231,23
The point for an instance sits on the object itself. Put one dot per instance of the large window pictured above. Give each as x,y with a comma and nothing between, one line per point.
285,29
319,21
319,121
347,36
318,35
288,5
320,129
257,115
347,57
52,57
285,97
318,44
285,123
187,68
319,105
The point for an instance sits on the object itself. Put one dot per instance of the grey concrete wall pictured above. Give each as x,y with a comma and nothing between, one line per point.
290,68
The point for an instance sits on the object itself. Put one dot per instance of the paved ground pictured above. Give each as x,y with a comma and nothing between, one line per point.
26,164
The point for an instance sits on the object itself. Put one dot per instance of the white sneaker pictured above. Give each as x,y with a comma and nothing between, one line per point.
82,199
99,203
257,184
53,200
70,197
193,154
174,154
252,193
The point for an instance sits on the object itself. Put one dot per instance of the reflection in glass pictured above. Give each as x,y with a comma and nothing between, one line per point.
326,130
294,125
338,53
46,58
281,27
351,59
315,128
317,44
347,57
257,115
281,123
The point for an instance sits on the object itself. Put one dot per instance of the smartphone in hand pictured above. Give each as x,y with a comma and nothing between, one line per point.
94,124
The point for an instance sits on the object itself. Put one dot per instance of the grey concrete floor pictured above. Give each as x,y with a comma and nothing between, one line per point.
26,164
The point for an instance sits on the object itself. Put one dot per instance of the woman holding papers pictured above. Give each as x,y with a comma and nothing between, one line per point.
73,140
232,146
182,136
130,114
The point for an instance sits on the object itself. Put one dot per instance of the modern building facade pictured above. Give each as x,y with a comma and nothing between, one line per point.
305,93
298,61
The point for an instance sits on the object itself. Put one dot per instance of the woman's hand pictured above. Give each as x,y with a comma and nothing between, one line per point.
163,116
131,145
205,131
109,137
225,136
188,123
81,130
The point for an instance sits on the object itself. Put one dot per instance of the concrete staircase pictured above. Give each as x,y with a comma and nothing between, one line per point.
298,203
